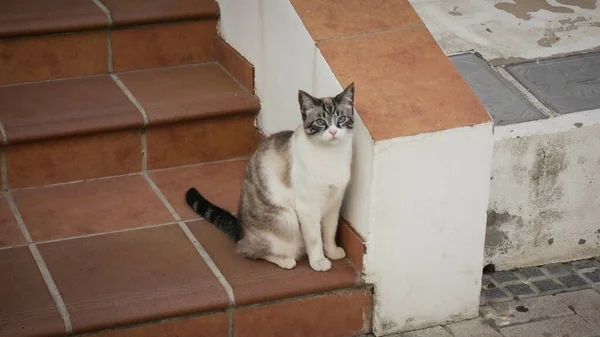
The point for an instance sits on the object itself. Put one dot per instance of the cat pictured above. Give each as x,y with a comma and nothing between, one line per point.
293,188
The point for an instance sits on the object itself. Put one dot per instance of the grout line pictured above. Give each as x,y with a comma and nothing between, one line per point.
15,246
108,35
131,98
3,132
203,164
144,139
3,155
105,10
100,75
142,111
196,64
230,323
60,304
52,80
109,50
4,170
108,232
162,197
17,215
75,182
211,264
370,33
207,259
131,174
525,92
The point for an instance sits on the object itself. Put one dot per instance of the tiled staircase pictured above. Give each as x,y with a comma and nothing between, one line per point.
110,110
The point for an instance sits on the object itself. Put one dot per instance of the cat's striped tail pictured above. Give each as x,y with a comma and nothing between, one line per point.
217,216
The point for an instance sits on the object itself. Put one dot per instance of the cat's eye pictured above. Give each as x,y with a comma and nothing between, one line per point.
342,119
320,122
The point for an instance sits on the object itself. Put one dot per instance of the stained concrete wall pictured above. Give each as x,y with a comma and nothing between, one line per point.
545,192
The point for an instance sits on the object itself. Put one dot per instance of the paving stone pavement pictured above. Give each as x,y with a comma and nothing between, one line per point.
557,300
543,280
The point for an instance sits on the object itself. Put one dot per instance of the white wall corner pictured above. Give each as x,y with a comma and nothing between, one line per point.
427,227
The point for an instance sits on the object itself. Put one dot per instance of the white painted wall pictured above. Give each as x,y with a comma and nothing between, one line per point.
271,35
428,215
545,192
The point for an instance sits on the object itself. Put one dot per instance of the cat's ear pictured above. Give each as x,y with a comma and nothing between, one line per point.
346,97
307,103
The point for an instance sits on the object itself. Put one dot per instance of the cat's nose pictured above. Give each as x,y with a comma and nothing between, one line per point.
333,131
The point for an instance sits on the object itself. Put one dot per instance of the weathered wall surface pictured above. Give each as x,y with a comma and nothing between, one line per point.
545,196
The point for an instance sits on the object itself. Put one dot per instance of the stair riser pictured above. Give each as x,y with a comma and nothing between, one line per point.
74,158
68,159
50,57
201,141
342,314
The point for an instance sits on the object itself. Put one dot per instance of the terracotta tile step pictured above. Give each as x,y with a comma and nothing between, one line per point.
34,17
117,49
126,253
88,127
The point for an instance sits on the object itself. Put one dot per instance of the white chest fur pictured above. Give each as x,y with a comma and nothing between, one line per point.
320,172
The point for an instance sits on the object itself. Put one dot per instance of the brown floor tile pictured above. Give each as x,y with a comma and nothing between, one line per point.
341,314
70,159
220,183
405,84
163,45
143,11
27,308
10,233
188,93
258,281
235,63
201,141
53,57
352,242
90,207
124,278
65,108
331,19
31,17
204,326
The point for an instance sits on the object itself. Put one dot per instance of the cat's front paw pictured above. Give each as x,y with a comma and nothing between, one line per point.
322,264
287,263
336,253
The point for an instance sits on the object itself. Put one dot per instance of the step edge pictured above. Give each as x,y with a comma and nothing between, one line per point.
32,33
226,310
250,105
90,131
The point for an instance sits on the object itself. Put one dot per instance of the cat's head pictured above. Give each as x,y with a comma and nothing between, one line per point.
328,119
